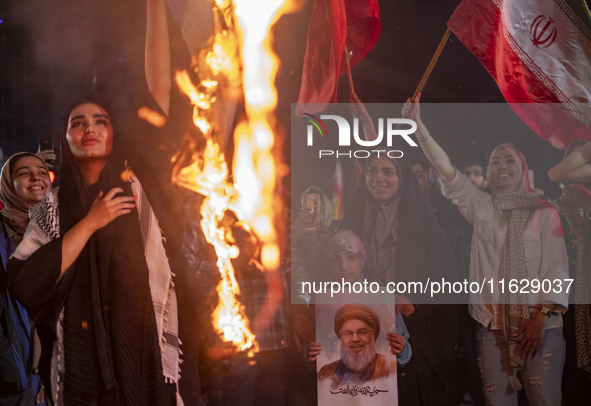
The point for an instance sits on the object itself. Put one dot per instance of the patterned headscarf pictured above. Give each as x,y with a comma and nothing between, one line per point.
16,209
520,206
579,227
346,240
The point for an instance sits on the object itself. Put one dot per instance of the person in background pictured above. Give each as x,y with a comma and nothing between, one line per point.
24,182
345,257
517,235
574,206
476,172
459,235
404,242
575,167
231,376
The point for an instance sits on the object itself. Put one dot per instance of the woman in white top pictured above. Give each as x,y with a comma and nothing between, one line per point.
517,236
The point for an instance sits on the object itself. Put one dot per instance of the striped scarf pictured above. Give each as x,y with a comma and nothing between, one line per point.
45,227
519,206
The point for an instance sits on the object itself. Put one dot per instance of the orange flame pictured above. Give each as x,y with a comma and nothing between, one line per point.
252,200
254,162
152,117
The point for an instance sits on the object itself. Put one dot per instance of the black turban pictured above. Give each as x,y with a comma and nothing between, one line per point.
356,312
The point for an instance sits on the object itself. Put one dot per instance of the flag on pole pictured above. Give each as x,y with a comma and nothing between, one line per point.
337,193
334,24
538,52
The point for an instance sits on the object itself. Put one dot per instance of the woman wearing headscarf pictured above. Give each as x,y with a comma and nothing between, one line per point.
404,243
24,182
574,205
106,297
116,291
517,236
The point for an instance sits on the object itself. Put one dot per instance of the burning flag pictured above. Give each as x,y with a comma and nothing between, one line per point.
538,52
239,55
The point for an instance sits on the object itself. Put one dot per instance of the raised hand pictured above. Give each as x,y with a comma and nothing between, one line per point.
412,109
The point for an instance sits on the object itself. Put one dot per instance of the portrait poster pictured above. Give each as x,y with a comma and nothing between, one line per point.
372,384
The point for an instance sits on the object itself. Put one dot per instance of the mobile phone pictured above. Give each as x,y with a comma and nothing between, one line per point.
311,201
45,141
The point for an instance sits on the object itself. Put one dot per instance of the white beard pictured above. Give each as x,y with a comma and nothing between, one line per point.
358,362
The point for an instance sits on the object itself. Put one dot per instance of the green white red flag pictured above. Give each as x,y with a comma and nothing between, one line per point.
538,52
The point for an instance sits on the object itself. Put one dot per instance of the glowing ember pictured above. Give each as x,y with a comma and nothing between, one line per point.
152,117
242,29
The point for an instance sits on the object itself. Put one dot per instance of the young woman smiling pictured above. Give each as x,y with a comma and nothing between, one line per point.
517,236
25,181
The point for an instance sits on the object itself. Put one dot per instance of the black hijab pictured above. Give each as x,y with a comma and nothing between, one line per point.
110,336
420,249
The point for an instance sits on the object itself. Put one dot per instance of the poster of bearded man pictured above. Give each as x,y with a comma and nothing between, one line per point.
355,366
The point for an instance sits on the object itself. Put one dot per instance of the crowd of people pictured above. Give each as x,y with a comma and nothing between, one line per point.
108,282
122,342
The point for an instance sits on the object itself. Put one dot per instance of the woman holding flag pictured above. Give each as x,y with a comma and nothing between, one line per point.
517,236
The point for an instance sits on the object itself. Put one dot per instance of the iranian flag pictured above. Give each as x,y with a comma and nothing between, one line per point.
538,52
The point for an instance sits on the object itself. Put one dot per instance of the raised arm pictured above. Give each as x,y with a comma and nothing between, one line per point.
434,153
157,54
575,168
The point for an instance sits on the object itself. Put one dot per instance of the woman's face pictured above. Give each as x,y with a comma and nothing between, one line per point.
381,178
30,179
89,132
505,170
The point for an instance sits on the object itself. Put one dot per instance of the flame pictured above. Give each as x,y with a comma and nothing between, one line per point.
254,162
240,54
152,117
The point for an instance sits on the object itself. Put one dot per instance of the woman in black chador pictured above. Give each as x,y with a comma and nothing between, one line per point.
404,243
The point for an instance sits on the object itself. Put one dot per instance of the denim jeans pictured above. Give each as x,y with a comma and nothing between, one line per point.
541,375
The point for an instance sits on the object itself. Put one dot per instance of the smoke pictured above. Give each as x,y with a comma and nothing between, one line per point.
81,47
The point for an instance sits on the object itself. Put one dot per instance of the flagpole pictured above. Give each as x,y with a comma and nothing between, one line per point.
432,64
369,132
353,97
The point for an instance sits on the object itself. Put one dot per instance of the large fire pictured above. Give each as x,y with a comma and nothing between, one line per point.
239,55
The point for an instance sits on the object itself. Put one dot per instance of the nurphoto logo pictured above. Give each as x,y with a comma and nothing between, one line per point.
386,129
